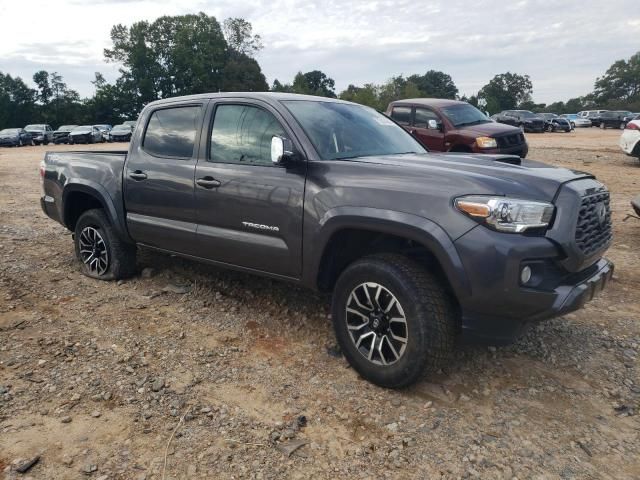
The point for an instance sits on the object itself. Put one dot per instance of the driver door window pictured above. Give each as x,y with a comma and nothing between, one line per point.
242,134
423,116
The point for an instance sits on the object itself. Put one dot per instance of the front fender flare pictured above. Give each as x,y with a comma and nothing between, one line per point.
418,229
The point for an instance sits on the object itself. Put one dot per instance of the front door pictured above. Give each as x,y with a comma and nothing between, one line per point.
158,179
249,211
429,129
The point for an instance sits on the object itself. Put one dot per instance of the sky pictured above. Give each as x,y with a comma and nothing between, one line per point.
563,45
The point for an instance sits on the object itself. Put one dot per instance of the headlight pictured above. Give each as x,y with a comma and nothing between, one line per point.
507,214
486,142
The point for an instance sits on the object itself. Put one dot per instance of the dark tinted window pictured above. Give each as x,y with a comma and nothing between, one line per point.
402,115
171,132
423,116
242,134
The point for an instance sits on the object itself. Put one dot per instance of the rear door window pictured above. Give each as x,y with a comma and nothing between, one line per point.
171,132
402,115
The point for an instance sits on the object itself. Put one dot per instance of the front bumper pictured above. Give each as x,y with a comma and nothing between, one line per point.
629,140
499,306
520,150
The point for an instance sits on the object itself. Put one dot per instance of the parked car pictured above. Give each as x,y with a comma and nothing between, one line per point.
576,121
61,135
554,123
132,123
630,139
523,119
104,129
590,113
15,137
415,246
40,133
453,126
120,133
614,119
86,134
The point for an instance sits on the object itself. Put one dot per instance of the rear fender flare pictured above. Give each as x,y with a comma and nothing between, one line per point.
97,191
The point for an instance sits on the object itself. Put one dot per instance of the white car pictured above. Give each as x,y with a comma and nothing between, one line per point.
630,139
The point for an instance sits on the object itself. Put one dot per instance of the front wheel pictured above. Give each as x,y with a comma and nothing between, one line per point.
393,319
102,253
602,125
623,125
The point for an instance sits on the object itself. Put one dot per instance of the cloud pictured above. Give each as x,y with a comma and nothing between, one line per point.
563,48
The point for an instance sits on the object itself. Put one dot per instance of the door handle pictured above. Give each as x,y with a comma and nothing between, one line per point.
208,182
138,175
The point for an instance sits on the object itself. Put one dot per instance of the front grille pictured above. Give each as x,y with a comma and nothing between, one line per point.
593,230
510,140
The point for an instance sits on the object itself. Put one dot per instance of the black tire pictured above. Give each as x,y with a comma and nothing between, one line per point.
120,256
602,125
622,125
430,318
46,142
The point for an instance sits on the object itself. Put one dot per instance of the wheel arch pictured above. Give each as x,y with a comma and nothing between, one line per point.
348,233
82,195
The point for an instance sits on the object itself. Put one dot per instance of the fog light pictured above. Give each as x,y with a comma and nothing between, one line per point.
525,275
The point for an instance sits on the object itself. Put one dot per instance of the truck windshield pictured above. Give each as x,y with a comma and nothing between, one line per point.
465,114
341,130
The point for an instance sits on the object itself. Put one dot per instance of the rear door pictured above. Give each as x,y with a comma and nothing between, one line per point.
249,211
428,128
158,178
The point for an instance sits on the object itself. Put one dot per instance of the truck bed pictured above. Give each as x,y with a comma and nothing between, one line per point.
91,172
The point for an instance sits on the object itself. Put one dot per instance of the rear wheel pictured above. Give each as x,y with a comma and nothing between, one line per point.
392,319
622,125
102,253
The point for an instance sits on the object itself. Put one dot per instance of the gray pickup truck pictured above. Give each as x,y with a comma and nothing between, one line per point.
417,248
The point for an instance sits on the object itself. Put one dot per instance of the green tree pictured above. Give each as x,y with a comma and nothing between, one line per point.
315,83
435,84
17,102
41,79
177,55
367,95
620,83
506,91
240,38
243,74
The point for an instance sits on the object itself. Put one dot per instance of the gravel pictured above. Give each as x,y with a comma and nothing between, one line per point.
233,371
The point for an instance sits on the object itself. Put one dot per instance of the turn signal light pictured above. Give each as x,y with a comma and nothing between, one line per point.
632,126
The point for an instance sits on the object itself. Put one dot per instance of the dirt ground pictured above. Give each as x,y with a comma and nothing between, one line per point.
187,371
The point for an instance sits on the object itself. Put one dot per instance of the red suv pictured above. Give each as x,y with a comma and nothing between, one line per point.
453,126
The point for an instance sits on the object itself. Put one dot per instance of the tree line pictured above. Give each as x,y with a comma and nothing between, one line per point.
190,54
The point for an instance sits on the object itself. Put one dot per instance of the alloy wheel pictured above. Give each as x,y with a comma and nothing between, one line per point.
376,323
93,251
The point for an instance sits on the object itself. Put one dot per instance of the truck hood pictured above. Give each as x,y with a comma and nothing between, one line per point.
482,174
489,129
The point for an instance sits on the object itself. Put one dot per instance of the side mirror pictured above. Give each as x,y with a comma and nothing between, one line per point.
434,125
281,150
